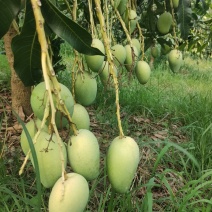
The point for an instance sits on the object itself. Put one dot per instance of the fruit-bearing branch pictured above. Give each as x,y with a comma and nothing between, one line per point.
110,62
48,74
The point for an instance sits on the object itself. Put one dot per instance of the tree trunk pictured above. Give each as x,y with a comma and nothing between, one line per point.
20,94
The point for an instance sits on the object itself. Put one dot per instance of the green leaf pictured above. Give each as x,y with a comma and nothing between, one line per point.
8,11
184,18
67,29
27,51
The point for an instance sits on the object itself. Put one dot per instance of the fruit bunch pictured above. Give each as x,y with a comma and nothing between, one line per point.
56,108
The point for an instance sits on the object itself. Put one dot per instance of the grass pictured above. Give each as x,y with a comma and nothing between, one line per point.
169,117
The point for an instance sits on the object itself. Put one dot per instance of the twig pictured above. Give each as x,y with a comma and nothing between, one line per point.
110,63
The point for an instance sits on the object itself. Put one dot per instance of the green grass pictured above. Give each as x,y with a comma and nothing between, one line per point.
169,117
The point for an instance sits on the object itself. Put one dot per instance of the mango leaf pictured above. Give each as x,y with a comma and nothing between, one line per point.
68,30
201,6
27,51
184,17
8,11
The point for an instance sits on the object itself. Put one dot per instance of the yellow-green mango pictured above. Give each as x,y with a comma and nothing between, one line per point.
81,117
137,44
32,127
84,154
85,89
175,3
175,60
105,76
130,19
69,195
94,62
49,158
38,103
164,22
143,72
122,161
131,58
119,53
154,51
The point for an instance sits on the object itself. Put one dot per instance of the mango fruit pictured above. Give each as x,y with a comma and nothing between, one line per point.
84,154
49,158
137,44
70,195
130,18
121,162
119,54
85,88
143,72
131,57
32,127
154,51
164,22
94,62
175,3
175,60
81,117
105,76
38,103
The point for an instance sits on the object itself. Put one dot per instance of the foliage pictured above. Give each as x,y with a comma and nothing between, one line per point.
9,11
184,17
27,48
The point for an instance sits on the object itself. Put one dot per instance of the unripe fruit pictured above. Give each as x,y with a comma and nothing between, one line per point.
164,23
105,76
130,58
119,54
122,6
175,60
122,161
154,51
94,62
81,117
85,89
49,158
84,154
38,103
143,72
32,127
175,3
130,20
70,195
137,44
